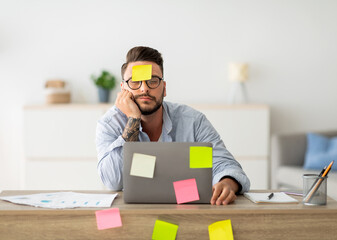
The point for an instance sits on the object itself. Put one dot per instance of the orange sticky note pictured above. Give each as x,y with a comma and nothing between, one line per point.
221,230
108,218
141,72
186,190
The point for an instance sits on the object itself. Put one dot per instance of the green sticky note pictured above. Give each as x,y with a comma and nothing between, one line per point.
164,230
201,157
221,230
141,72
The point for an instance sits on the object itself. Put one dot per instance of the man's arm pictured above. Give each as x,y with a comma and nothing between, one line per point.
109,145
131,130
110,140
228,176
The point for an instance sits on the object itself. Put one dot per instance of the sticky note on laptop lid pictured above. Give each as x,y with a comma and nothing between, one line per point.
221,230
186,190
164,230
141,72
201,157
143,165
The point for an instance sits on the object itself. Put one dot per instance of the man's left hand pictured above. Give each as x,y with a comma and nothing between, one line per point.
224,192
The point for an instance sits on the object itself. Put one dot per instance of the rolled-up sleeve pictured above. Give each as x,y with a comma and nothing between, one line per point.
224,163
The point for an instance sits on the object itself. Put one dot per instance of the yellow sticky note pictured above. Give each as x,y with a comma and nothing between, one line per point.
164,231
201,157
141,72
221,230
143,165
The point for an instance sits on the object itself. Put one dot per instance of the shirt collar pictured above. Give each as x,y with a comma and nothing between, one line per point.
167,123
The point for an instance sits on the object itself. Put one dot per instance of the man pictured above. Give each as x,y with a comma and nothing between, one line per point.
140,114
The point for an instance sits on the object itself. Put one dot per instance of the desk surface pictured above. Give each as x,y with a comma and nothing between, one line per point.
241,203
249,220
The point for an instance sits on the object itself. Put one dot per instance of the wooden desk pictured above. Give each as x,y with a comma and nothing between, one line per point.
249,220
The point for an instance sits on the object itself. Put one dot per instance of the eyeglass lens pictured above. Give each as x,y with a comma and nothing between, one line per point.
152,83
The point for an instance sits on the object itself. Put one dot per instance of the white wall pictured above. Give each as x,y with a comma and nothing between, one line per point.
289,44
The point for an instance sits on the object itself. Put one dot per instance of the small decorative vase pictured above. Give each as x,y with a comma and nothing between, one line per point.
103,95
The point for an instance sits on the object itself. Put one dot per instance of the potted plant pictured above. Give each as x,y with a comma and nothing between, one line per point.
105,83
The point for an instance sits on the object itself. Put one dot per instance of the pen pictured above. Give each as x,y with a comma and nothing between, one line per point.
313,190
270,196
320,175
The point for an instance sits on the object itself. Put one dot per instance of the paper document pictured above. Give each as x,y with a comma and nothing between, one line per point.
63,200
279,197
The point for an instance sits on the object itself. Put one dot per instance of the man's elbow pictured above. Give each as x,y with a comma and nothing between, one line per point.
115,184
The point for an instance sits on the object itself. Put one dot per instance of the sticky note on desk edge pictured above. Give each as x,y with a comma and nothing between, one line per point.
201,157
142,165
108,218
186,190
221,230
141,72
164,230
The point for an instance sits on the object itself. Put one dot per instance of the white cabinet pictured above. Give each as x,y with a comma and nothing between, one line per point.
60,150
245,130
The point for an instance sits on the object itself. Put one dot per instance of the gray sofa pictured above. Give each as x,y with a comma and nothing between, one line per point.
287,159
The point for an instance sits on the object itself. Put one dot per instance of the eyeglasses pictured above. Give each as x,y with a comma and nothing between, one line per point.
152,83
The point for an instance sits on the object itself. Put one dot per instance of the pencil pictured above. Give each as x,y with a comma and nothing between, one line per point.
314,189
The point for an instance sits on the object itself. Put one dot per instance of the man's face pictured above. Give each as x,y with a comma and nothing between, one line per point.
148,100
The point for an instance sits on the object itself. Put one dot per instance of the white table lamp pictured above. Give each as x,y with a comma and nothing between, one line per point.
238,75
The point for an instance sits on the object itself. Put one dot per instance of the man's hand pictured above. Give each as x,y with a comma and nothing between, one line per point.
224,192
125,102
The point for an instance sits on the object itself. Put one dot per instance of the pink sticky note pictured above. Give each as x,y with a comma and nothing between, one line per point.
186,190
108,218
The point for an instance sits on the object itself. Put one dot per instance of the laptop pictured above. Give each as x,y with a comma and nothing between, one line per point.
171,165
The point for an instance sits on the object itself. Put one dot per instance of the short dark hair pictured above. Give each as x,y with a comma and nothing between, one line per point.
143,54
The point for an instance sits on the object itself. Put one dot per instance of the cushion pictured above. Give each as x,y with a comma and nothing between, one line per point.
320,152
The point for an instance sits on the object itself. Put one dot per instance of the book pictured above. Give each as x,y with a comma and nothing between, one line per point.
278,197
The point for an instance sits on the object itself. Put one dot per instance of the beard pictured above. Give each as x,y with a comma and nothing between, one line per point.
155,108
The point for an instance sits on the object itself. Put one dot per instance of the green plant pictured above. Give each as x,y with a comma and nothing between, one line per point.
105,80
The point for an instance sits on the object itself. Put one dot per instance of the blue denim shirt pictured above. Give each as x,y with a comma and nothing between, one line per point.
180,124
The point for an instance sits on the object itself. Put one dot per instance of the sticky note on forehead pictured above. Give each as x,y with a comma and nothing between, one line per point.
141,72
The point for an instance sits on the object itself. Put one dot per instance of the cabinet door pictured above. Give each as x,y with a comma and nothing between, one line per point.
245,131
60,132
256,170
62,174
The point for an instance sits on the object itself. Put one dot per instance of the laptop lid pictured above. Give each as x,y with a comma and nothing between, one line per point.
172,164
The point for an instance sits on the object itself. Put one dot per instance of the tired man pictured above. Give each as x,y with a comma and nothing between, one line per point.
140,114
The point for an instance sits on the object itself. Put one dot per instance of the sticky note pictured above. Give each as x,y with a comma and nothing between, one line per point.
221,230
201,157
164,230
141,72
108,218
186,190
142,165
